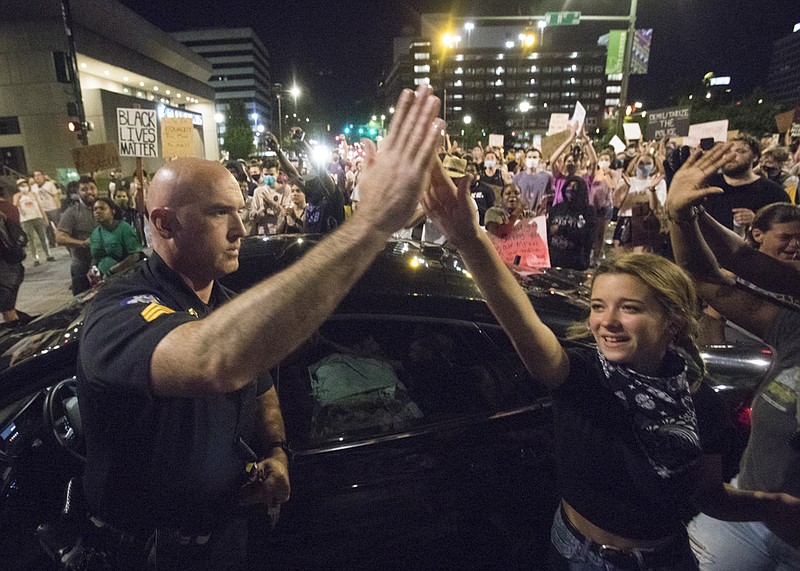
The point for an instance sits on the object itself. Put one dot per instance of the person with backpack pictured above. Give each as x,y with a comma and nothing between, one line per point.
12,252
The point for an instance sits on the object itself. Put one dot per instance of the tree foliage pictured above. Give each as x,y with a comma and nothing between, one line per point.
238,139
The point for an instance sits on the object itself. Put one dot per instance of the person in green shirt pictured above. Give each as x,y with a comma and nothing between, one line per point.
113,244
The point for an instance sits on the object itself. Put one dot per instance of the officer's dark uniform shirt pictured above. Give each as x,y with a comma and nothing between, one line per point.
154,461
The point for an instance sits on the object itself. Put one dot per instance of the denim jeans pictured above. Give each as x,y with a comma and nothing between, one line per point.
722,545
578,555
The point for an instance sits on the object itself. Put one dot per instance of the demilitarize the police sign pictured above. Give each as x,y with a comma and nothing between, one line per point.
138,132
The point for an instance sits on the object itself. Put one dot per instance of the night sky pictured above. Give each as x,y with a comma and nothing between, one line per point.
338,49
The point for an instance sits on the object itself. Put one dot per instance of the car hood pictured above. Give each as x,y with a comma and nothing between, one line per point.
407,278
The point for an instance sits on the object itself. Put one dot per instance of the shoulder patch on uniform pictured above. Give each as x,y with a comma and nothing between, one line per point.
142,298
154,311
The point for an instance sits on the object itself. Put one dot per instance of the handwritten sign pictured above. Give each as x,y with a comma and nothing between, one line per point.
177,137
526,245
93,158
671,122
137,130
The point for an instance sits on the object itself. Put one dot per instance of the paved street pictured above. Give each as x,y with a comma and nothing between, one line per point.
46,286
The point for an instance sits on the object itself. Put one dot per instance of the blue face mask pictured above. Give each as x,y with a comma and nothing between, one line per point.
645,170
269,180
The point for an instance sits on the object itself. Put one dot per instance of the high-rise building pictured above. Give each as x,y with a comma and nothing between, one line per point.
240,63
488,74
784,69
120,61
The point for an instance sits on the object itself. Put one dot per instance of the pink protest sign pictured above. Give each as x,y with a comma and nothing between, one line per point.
526,245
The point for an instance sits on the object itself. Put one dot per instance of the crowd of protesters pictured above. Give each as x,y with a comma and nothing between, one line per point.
728,215
581,190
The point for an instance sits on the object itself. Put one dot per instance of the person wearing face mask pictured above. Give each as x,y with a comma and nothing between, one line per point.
601,193
574,157
571,225
773,161
492,175
533,182
481,193
642,194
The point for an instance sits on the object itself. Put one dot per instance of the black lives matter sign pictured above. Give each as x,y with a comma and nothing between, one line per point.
672,122
137,130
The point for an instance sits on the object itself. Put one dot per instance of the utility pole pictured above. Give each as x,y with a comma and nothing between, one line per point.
626,64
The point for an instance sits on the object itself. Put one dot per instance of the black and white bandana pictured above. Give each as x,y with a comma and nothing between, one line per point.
661,413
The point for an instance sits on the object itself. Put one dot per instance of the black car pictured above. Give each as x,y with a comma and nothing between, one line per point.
419,439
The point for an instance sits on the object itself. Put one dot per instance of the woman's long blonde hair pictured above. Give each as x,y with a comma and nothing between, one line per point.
672,287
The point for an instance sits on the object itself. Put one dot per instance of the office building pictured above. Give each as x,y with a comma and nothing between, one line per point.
122,62
487,74
784,69
240,63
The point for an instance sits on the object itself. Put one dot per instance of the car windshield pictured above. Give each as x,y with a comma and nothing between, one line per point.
359,377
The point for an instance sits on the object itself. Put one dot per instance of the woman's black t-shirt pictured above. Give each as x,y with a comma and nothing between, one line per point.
603,471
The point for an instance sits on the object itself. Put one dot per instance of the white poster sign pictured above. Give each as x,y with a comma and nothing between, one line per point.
579,116
616,142
633,132
496,140
558,123
137,130
717,130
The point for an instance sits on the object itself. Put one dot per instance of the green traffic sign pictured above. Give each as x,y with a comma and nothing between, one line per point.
562,18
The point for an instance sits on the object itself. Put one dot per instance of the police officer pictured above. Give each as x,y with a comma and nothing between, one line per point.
172,394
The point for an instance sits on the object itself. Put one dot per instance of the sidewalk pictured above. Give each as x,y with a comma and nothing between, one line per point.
46,286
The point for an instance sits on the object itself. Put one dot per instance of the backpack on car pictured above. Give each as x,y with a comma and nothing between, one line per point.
13,240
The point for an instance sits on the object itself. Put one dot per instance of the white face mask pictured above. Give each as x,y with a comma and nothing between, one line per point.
603,164
489,164
531,163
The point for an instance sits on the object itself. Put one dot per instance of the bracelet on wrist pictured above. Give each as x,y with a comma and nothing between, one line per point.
685,219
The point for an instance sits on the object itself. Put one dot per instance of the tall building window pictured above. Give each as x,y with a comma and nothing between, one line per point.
422,55
422,69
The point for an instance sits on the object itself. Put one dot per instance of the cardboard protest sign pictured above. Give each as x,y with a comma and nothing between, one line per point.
137,131
633,132
551,143
95,158
671,122
558,123
784,120
177,137
526,245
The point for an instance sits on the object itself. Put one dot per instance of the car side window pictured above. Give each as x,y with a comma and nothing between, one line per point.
362,377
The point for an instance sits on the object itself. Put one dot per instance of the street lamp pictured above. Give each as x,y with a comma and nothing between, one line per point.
467,119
